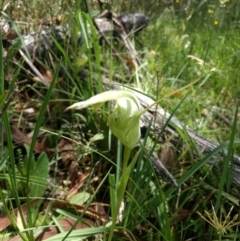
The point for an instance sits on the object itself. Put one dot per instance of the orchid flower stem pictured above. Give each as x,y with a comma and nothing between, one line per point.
126,156
122,184
119,161
121,188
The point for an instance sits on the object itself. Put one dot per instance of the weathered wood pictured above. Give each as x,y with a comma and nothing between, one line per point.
42,41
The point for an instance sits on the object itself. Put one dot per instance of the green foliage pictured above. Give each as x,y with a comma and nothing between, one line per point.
192,50
38,173
185,48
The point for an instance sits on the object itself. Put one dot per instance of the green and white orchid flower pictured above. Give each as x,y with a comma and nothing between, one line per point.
124,121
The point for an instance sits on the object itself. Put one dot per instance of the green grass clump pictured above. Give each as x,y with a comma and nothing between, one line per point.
190,64
182,50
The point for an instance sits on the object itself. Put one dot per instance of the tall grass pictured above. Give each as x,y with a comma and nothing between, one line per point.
178,49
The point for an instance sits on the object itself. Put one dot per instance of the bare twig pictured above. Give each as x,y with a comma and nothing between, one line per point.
34,69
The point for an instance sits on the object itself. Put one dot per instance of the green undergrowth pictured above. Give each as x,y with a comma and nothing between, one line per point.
190,65
206,47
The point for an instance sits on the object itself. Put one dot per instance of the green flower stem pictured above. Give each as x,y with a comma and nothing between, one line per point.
121,186
126,157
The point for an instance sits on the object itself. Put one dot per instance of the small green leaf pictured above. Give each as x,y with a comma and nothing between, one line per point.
39,176
3,98
94,13
80,198
28,164
13,49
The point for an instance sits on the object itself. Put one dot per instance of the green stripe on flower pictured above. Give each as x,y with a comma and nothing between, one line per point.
124,121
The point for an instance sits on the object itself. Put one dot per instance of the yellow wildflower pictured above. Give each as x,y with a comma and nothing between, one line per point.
210,11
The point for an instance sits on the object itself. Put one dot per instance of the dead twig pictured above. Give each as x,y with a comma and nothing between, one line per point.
34,69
